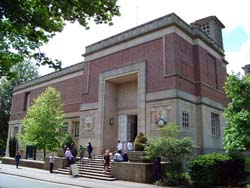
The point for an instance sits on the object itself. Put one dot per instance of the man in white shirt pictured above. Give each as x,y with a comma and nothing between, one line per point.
130,146
119,145
68,156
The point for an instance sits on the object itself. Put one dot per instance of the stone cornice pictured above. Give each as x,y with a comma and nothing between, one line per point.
162,22
51,76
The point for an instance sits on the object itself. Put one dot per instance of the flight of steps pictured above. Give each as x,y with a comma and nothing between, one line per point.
90,169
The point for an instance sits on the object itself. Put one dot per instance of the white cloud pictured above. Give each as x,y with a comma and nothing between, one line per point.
237,59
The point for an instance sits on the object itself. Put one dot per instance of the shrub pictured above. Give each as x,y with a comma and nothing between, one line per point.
140,142
174,149
216,170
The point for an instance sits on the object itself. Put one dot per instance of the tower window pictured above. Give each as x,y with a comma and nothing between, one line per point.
26,101
215,124
185,119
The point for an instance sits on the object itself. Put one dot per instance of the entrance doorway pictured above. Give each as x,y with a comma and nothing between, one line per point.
127,129
132,128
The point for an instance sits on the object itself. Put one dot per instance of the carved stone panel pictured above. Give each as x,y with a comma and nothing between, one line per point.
88,123
160,116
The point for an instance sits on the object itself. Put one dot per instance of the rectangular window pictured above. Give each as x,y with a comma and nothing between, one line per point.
26,101
65,128
185,119
76,127
215,124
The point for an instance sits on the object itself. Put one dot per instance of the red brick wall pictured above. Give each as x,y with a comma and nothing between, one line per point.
189,68
71,91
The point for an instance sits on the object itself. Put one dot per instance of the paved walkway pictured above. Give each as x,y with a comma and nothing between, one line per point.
44,175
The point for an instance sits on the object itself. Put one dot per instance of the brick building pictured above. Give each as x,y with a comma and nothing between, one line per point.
160,72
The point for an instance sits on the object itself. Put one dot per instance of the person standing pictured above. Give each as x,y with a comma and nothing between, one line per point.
130,146
81,150
68,156
106,159
89,149
119,145
51,162
73,152
17,158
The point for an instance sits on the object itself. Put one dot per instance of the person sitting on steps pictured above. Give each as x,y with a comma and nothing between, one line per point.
118,156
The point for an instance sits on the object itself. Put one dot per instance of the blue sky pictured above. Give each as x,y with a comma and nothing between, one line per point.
70,44
234,39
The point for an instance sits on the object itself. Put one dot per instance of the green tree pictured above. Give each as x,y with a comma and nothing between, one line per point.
170,146
237,113
42,123
26,25
25,71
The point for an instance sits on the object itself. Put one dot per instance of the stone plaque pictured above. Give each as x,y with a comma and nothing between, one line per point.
88,123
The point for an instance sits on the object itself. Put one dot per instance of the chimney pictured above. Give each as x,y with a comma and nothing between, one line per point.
212,27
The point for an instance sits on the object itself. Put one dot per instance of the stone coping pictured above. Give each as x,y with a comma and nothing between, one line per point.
51,76
165,21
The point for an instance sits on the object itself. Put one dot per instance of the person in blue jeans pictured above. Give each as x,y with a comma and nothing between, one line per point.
17,158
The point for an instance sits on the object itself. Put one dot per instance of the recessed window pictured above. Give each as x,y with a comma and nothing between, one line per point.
76,127
185,119
215,124
65,128
26,103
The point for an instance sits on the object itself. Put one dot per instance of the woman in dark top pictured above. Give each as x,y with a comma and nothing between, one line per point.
89,149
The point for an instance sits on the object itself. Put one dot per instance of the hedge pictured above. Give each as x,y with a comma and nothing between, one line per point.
216,169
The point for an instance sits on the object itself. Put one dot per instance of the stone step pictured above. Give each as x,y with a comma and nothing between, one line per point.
107,178
95,170
93,177
86,162
90,165
87,172
90,169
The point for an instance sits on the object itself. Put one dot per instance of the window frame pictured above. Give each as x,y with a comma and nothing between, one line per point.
215,124
185,119
65,128
26,102
76,128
